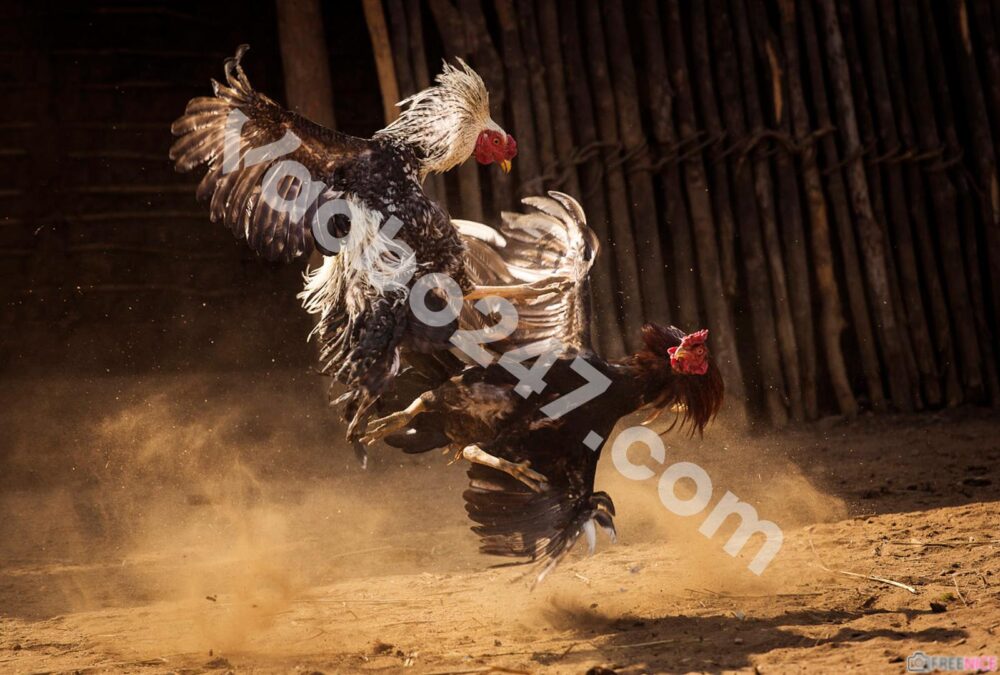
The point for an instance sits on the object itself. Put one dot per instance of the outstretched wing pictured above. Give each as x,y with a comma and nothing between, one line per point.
549,242
257,155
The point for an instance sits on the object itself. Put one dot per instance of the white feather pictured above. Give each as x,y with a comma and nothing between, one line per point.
364,268
444,120
470,228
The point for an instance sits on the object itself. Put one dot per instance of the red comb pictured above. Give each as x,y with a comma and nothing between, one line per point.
697,338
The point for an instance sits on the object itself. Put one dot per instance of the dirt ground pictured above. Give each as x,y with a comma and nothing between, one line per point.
213,524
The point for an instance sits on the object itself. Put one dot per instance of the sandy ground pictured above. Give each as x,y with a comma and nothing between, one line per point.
180,524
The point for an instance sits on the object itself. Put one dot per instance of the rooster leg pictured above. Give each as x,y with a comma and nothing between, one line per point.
384,426
516,291
359,405
520,470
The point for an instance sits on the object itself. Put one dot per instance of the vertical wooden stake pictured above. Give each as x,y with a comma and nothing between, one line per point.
382,48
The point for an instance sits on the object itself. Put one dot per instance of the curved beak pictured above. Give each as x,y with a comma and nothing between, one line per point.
505,165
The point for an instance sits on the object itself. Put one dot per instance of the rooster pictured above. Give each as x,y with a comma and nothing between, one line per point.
243,138
532,469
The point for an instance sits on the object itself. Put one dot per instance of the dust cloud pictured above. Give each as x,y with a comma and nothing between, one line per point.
754,467
232,494
233,498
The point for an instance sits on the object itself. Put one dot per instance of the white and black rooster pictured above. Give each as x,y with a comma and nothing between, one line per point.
248,142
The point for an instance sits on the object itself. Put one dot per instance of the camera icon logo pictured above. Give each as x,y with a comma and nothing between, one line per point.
918,662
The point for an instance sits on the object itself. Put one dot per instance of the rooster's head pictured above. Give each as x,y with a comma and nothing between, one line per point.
450,121
681,374
690,357
494,145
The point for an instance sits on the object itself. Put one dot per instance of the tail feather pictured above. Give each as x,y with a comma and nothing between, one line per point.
513,521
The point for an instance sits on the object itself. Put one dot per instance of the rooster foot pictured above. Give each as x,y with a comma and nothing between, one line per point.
384,426
522,471
456,453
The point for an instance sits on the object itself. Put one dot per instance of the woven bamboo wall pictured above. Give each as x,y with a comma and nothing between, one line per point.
814,180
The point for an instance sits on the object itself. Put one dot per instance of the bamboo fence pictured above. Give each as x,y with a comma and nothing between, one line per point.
813,180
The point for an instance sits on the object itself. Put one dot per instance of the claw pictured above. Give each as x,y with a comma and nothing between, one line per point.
521,471
544,286
591,533
383,426
360,453
606,523
524,473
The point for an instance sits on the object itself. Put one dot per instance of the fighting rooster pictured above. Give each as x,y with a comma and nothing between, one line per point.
533,458
278,180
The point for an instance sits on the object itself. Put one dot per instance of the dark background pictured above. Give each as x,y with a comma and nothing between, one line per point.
108,263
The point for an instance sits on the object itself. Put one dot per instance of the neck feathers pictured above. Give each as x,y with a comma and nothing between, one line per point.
442,123
695,398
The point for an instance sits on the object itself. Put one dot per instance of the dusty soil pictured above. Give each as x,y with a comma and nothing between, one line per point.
176,524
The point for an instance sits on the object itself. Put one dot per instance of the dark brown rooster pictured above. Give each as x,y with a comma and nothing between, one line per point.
533,458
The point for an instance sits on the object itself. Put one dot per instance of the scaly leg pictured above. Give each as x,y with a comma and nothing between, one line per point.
384,426
519,470
515,291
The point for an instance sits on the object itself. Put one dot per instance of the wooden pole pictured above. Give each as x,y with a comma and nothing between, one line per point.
663,82
869,143
837,191
607,304
737,23
981,12
759,294
555,78
717,183
942,194
305,60
381,46
912,309
987,199
831,317
400,48
531,41
870,233
653,268
518,90
622,239
982,16
916,188
789,208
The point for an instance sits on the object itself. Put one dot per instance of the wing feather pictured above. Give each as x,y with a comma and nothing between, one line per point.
206,135
550,240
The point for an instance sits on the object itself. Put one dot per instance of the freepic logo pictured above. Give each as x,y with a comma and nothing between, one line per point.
920,662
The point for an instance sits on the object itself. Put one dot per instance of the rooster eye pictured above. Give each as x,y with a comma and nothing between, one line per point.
496,141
